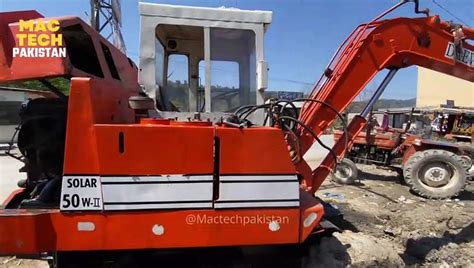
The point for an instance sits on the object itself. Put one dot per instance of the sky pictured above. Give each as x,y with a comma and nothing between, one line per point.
301,39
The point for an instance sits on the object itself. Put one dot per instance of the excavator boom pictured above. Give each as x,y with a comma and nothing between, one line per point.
389,44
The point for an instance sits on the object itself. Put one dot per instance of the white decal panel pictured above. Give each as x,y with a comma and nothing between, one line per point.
157,192
247,191
81,193
108,193
463,55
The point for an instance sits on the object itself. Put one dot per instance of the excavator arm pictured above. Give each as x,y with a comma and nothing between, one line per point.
388,44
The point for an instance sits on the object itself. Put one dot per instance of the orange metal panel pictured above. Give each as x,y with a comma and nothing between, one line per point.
155,149
12,196
254,151
311,214
80,155
92,101
23,232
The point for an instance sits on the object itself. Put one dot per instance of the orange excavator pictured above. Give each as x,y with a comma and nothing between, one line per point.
128,180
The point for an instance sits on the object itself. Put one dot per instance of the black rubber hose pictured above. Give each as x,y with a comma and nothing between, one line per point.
344,123
314,136
293,107
245,111
255,108
245,108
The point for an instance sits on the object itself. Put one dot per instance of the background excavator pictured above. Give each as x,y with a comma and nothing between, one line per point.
135,177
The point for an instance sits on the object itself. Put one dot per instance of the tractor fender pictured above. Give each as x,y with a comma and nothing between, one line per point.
425,144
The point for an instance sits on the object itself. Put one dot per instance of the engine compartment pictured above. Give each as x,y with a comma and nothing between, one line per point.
41,141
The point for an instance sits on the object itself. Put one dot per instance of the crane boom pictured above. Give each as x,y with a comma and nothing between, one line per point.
389,44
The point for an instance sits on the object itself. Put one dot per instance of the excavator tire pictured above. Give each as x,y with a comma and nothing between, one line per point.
346,172
435,174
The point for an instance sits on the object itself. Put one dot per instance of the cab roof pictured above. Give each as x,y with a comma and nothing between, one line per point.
205,13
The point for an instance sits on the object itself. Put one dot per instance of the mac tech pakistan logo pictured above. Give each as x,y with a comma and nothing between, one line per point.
39,40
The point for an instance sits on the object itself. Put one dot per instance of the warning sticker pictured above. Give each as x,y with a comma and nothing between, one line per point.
81,193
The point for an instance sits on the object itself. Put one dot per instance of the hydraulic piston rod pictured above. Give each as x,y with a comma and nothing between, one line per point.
381,88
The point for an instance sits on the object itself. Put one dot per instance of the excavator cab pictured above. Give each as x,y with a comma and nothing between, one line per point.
202,60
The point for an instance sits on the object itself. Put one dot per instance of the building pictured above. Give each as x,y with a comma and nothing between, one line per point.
434,89
10,104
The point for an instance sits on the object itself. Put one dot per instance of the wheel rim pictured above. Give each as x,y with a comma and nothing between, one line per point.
343,171
436,174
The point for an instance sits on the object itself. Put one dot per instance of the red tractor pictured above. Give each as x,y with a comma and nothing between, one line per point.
434,165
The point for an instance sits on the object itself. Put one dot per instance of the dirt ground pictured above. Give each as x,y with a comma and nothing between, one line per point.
385,225
388,225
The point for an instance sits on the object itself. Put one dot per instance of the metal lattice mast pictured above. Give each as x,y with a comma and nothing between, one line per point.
106,18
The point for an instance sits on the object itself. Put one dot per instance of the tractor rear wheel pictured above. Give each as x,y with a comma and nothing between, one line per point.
346,172
435,174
